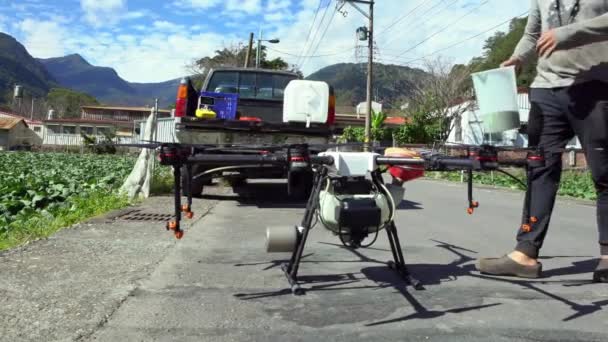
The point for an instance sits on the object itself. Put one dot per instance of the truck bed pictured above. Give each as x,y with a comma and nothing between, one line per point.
191,123
192,130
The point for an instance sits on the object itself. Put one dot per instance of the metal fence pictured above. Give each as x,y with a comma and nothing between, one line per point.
165,130
77,140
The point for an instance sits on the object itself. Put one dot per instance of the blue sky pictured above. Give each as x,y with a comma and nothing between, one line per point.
155,40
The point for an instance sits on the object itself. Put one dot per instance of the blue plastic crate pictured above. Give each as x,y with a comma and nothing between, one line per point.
224,104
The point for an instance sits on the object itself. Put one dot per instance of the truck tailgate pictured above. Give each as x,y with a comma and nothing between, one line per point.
196,131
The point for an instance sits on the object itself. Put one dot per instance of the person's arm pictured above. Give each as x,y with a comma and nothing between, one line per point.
582,33
526,48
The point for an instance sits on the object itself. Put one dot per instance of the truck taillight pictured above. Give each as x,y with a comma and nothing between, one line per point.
182,96
331,113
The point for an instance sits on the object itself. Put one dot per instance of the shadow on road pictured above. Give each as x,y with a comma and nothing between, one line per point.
434,274
267,195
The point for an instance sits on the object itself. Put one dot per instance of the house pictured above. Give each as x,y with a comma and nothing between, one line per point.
467,129
122,122
361,109
16,130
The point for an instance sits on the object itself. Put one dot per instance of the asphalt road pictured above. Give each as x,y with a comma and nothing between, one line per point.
119,281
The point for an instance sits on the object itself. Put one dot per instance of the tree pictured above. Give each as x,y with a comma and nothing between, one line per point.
437,103
234,56
67,103
500,47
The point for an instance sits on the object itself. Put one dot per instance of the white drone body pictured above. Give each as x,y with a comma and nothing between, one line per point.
356,164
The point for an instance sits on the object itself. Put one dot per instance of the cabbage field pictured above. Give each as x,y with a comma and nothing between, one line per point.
42,191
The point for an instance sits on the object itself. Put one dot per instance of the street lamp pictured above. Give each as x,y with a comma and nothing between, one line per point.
259,49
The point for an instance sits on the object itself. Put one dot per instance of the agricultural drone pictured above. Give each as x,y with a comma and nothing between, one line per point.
349,196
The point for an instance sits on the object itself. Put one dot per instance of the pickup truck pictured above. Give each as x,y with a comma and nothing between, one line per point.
259,121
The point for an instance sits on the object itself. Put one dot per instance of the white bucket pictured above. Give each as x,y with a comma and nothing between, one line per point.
496,92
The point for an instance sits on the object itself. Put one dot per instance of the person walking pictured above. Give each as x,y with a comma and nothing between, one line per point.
569,97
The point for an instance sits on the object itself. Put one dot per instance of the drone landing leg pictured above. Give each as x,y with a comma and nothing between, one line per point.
399,262
175,225
188,208
291,269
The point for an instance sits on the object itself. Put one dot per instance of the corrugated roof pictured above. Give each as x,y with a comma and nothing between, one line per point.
89,121
9,123
27,121
132,109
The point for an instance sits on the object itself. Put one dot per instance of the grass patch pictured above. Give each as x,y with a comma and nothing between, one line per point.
43,224
162,180
575,184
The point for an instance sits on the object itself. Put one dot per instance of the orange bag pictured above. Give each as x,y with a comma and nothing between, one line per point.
404,173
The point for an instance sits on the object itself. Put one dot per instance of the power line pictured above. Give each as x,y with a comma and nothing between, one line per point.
443,29
312,56
463,41
310,30
422,15
404,16
323,35
307,50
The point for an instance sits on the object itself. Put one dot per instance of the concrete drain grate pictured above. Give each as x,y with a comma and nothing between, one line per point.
138,215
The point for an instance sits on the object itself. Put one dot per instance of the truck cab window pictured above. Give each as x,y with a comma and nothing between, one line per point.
247,85
279,85
265,86
224,82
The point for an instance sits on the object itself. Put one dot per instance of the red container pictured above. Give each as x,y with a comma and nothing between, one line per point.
404,173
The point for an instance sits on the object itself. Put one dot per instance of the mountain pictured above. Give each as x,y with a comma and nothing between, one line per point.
74,72
17,66
392,83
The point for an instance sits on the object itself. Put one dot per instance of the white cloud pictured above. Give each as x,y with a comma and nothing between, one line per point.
135,14
407,33
43,38
103,12
231,8
159,49
157,57
165,26
248,6
198,4
274,5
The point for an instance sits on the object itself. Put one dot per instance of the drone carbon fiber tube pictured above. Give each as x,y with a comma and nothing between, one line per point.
227,160
261,159
441,162
400,161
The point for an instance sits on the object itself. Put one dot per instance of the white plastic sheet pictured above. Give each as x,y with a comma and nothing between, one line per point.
139,181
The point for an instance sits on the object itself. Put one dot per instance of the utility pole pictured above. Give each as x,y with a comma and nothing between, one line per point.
249,50
370,67
370,60
258,57
259,51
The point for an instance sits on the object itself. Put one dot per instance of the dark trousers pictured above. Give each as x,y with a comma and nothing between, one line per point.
556,116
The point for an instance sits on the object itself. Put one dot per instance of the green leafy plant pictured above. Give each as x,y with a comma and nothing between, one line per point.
353,134
576,184
53,187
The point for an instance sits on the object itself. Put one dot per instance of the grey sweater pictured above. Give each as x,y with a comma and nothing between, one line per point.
582,45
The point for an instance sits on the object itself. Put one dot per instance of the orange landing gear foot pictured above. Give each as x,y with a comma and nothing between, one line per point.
189,215
470,211
172,225
179,234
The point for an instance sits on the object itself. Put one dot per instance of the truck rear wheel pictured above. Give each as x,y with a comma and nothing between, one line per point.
299,185
198,184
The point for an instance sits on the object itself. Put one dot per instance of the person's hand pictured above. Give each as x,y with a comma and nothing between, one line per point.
546,43
513,61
